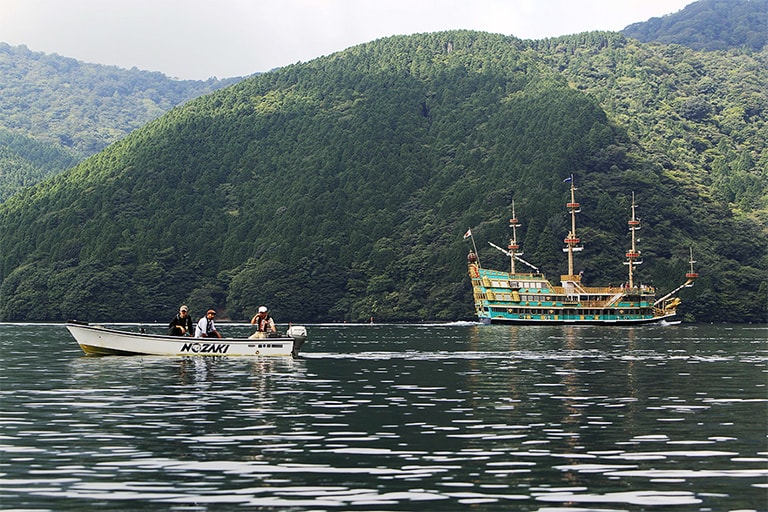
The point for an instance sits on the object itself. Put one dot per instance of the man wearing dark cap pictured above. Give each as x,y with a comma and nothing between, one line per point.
205,327
181,325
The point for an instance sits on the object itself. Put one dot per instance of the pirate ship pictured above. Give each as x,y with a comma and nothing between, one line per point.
529,297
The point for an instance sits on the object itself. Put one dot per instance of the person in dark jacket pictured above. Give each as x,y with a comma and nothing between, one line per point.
182,324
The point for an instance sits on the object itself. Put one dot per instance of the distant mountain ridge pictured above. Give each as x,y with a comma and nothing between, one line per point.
709,25
75,109
72,109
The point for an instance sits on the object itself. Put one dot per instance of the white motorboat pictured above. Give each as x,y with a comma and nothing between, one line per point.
98,340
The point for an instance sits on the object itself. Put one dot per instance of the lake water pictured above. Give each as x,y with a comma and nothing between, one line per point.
393,417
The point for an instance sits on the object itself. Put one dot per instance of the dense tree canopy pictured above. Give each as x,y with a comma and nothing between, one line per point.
339,189
25,161
55,111
701,116
709,25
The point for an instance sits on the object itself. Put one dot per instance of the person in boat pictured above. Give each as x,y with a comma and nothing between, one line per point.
182,324
264,323
205,326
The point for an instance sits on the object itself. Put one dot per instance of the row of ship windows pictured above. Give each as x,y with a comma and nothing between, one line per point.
508,297
564,312
538,300
530,285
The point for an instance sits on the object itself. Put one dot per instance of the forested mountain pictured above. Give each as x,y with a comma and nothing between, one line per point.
339,188
709,25
25,161
698,115
56,111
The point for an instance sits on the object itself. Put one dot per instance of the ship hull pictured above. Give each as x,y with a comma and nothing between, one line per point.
576,321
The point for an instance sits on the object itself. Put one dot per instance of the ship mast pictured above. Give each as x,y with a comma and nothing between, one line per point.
633,254
513,245
690,277
571,241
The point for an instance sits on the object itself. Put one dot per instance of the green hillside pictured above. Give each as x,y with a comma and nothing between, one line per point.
339,189
56,111
709,25
699,116
25,161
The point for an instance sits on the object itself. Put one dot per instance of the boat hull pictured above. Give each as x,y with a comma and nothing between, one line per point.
518,321
100,341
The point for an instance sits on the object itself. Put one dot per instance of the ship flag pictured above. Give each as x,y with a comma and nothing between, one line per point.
468,233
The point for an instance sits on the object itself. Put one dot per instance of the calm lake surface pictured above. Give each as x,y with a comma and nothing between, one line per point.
393,417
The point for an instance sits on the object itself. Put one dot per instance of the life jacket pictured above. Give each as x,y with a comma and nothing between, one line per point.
262,323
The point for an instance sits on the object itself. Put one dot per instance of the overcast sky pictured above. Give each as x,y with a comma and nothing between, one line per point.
197,39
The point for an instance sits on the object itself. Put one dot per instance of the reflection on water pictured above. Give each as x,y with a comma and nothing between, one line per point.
393,418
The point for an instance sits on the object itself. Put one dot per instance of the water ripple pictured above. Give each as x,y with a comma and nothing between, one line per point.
393,417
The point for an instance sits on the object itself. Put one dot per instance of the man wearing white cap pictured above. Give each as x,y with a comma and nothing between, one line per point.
263,321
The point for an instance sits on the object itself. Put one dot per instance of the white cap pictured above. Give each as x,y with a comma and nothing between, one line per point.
262,309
